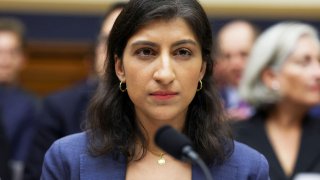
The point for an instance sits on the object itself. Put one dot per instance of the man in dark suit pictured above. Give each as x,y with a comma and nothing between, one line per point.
63,112
234,42
19,108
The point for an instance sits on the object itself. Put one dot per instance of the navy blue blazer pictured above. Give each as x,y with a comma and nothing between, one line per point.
61,114
68,158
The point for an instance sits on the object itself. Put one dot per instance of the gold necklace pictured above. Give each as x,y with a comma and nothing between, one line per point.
161,161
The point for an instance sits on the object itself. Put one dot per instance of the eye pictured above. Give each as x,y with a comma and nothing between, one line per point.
306,60
226,56
183,52
145,52
244,54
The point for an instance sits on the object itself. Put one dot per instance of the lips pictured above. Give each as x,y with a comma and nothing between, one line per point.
163,95
315,88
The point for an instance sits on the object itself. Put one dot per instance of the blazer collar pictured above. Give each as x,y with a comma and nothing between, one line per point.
262,144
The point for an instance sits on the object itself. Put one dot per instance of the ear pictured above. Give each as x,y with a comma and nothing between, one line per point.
119,69
203,69
269,78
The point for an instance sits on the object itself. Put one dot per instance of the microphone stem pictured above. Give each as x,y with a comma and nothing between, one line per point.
190,154
204,168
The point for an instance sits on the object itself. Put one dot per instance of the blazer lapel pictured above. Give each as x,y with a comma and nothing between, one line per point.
102,167
264,146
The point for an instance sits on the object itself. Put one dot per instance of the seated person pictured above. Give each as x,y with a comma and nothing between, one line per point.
282,81
19,107
159,73
234,43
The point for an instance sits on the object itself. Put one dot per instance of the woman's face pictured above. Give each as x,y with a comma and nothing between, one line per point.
300,76
162,65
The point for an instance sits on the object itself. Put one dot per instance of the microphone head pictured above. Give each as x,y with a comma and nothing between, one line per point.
171,141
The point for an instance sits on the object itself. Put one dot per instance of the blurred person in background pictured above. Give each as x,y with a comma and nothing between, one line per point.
234,43
12,56
19,108
282,81
63,112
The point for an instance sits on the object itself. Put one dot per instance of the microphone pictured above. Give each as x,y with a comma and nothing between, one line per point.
180,147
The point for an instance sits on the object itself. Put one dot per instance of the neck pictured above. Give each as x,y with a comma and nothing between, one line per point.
150,127
287,115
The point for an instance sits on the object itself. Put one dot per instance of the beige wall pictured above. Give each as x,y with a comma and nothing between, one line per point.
302,9
307,3
309,9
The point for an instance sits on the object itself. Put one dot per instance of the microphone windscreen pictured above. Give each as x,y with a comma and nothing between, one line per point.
171,141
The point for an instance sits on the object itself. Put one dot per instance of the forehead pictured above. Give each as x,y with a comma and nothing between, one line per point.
236,37
8,38
165,30
306,44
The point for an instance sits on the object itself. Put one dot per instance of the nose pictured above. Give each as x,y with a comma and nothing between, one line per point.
164,72
237,62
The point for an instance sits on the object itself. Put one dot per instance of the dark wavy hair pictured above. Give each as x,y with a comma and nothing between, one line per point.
111,123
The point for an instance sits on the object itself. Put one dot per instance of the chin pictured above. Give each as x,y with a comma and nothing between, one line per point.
163,118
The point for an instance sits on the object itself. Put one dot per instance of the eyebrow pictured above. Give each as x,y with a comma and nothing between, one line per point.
148,43
152,44
185,41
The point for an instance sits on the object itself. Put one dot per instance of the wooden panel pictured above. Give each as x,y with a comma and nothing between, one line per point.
54,66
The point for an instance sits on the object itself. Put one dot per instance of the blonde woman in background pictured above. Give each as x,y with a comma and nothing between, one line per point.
282,80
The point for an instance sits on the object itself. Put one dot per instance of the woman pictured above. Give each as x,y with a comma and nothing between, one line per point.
158,73
282,80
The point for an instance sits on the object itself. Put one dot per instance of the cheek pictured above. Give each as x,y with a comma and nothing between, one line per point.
293,84
17,61
190,79
136,81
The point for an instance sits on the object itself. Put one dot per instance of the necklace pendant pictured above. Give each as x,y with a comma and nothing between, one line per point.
161,161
